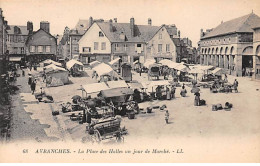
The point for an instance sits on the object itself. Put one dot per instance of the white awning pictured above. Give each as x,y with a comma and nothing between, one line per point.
15,59
103,69
114,61
117,84
153,84
217,71
53,68
182,68
94,63
49,61
149,62
95,87
72,62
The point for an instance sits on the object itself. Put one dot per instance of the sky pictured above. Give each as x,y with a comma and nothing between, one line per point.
188,15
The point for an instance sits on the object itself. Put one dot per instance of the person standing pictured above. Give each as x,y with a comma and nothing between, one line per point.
167,115
172,92
235,84
33,86
197,99
168,93
30,80
183,91
23,73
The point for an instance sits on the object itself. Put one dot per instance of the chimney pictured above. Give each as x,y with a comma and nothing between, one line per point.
115,20
149,21
110,25
30,27
45,25
201,33
132,26
90,21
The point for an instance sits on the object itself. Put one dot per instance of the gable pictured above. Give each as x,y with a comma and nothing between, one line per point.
41,38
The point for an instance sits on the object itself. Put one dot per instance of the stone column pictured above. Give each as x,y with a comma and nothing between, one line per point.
213,60
221,61
226,61
205,60
209,59
217,61
238,64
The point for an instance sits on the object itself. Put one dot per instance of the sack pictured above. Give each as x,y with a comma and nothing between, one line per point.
202,102
214,107
219,107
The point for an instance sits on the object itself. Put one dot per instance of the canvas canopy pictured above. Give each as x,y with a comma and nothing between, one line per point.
182,68
95,87
73,62
53,68
103,69
114,61
196,71
135,62
149,62
117,84
115,92
15,59
135,85
217,71
49,61
94,63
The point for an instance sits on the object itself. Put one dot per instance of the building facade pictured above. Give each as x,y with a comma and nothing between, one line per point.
230,45
256,52
41,45
3,46
105,41
16,38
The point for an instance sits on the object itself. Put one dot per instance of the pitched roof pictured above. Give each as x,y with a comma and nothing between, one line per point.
43,40
82,26
23,29
143,33
241,24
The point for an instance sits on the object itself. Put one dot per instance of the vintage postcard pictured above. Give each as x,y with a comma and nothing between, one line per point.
129,81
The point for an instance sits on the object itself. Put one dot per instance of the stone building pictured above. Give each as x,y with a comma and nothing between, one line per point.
230,45
256,51
3,34
16,38
105,41
41,45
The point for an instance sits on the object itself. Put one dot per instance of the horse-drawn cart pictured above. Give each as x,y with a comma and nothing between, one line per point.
107,129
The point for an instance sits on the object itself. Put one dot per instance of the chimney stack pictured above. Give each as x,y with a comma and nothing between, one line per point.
115,20
110,25
30,27
149,21
132,26
201,33
45,25
90,21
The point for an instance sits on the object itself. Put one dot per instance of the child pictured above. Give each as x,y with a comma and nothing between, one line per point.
167,116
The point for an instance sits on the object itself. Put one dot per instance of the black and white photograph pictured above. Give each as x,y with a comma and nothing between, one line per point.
129,81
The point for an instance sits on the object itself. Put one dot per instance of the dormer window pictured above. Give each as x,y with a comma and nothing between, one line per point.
101,34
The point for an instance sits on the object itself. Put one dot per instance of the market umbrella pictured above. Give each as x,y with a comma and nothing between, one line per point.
195,89
76,97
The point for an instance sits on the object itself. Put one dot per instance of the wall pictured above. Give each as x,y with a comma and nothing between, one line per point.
165,39
41,38
91,36
256,53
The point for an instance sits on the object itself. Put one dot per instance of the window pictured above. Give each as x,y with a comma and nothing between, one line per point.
125,47
160,36
32,48
40,48
167,47
159,47
139,45
116,47
103,46
75,48
15,50
86,49
22,50
100,34
48,48
15,39
95,45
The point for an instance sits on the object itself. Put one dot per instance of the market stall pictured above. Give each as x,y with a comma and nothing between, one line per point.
75,67
49,61
104,72
56,76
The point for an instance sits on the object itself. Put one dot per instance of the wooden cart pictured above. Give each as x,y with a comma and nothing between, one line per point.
108,129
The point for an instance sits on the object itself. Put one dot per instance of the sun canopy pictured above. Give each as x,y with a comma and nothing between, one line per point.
114,61
103,69
94,63
135,85
217,71
115,92
95,87
117,84
149,62
73,62
49,61
182,68
53,68
15,59
135,62
153,84
196,71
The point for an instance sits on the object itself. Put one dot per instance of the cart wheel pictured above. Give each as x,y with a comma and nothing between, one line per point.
97,136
